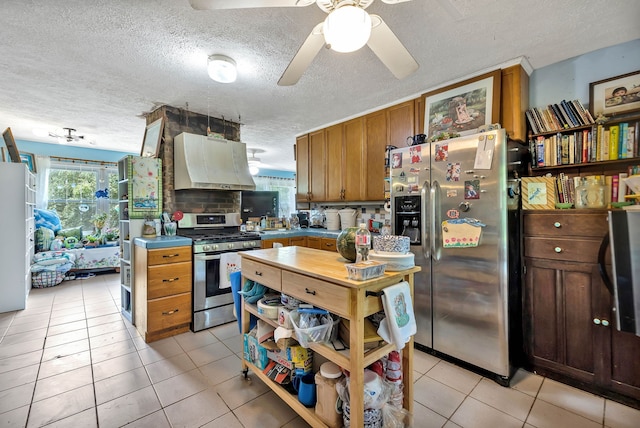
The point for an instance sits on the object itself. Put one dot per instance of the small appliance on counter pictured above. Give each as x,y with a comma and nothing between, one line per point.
303,219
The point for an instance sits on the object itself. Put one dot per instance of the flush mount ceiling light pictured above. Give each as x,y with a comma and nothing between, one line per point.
222,69
347,29
253,162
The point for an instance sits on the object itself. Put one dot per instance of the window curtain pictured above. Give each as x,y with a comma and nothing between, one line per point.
286,188
43,165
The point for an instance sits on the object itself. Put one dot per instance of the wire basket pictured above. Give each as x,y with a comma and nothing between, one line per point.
46,278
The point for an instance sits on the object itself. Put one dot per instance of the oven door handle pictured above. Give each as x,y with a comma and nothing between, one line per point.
204,257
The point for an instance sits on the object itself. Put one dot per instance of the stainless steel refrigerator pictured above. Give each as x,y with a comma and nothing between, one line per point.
458,201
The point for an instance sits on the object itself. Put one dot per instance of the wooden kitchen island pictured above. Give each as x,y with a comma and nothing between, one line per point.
320,278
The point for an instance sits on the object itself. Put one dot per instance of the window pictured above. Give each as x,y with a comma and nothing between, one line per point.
286,188
78,190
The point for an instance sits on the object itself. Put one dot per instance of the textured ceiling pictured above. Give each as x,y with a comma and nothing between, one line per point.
97,66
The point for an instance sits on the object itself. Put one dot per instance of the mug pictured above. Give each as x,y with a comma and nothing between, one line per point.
416,139
305,386
170,228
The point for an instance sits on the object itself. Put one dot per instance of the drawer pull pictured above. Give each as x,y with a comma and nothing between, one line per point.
605,323
557,250
258,273
312,292
168,256
596,321
557,225
170,279
170,312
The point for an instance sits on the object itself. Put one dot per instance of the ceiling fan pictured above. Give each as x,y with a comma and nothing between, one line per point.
68,137
347,28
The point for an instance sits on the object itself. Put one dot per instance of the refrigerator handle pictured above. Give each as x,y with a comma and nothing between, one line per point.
424,219
436,231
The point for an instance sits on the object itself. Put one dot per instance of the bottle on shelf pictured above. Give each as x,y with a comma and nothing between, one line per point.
591,193
363,243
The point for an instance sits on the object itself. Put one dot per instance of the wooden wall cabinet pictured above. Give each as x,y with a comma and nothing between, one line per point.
514,102
303,169
162,284
569,327
311,168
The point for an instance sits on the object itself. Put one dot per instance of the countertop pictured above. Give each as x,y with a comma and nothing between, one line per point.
323,233
320,264
162,241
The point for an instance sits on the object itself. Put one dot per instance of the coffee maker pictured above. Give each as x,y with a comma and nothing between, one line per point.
407,217
303,219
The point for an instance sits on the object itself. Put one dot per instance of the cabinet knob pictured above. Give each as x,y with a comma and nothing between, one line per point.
557,224
605,323
596,321
557,250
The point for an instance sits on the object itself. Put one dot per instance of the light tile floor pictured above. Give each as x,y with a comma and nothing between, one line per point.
71,360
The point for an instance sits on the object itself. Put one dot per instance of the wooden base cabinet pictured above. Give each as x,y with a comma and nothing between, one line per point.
569,325
163,282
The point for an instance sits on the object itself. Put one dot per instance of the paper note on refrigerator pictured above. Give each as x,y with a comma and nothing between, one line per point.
484,152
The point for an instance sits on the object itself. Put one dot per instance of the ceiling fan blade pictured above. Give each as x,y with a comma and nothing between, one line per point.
246,4
390,50
303,58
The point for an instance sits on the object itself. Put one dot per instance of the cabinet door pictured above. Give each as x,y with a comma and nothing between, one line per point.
300,241
328,244
268,243
558,329
514,102
376,141
335,162
314,242
354,163
317,162
302,168
401,123
419,107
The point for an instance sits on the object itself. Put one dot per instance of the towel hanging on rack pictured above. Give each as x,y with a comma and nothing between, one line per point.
399,323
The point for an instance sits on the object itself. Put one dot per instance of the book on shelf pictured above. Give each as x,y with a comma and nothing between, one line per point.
577,106
614,141
572,120
564,150
631,142
615,184
605,145
622,186
622,144
538,118
556,114
532,122
540,143
608,182
574,113
587,135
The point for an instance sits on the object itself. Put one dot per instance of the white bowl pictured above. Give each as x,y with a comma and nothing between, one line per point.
395,261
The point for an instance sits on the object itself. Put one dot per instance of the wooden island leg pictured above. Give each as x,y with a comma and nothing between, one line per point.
356,352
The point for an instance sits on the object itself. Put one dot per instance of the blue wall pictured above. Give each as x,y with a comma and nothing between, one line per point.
569,79
75,152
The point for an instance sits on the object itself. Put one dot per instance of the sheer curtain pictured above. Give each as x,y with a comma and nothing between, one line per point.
43,164
286,188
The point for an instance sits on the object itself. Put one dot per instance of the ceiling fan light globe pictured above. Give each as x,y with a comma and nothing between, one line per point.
347,29
222,69
253,170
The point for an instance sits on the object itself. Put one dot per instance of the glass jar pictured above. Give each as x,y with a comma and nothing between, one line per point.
591,193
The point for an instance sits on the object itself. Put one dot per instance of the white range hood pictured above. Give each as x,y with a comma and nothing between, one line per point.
202,162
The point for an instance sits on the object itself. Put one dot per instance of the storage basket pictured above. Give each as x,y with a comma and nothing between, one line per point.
304,336
46,278
365,270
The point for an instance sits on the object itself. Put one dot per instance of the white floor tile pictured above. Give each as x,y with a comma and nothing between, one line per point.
475,414
121,384
454,376
61,406
618,416
575,400
437,396
507,400
58,384
128,408
196,410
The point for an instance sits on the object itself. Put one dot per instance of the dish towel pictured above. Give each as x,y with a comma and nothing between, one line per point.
229,263
399,323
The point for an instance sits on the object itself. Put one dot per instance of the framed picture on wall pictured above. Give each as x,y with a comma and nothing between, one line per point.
463,107
14,154
616,95
152,138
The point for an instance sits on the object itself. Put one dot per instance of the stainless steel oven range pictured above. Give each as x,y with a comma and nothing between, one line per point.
213,235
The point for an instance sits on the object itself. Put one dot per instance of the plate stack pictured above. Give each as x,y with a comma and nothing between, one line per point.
393,250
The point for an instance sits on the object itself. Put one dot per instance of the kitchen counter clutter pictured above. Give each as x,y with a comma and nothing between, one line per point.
320,278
